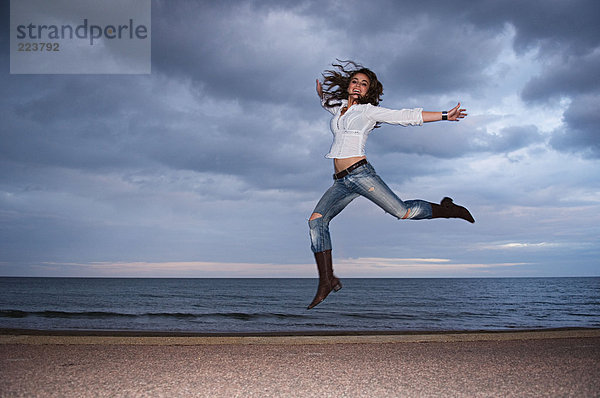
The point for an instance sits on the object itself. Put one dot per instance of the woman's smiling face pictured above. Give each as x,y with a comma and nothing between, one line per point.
359,85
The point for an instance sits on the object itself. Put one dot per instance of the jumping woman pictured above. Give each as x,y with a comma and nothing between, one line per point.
351,93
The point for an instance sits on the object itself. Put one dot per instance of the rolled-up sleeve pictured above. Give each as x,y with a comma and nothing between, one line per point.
330,109
403,117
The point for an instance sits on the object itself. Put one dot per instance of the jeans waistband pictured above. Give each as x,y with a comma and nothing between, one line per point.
347,171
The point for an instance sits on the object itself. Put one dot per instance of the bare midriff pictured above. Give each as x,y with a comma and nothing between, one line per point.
343,164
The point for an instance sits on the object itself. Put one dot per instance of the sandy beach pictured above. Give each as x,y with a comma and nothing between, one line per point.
508,364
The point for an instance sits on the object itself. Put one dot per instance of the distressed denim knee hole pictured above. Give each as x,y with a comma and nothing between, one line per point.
314,216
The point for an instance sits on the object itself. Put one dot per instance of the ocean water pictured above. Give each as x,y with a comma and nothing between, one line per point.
279,305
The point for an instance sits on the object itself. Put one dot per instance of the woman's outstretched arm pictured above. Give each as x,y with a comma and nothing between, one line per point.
454,114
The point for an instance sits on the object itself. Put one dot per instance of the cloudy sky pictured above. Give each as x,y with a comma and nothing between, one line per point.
211,165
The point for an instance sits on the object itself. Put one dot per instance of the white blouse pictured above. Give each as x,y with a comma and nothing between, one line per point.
351,130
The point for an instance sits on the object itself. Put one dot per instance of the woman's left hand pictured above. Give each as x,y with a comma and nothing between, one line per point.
456,113
319,89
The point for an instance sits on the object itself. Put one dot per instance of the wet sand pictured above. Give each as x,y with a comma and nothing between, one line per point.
534,363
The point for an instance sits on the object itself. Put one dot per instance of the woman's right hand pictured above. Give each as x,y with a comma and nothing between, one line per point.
456,113
319,89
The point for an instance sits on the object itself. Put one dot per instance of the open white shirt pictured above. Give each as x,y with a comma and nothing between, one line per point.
351,130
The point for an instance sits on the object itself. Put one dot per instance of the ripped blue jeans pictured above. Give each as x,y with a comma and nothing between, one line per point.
362,181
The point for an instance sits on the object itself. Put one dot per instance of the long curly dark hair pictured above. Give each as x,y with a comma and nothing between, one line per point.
336,82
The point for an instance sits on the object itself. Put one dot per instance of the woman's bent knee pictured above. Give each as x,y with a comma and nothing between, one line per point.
319,233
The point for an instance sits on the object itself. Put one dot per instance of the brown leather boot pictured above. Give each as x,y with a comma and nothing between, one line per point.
447,209
327,281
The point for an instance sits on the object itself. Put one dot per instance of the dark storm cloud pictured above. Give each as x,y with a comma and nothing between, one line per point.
87,124
78,122
242,143
565,75
238,49
581,127
552,25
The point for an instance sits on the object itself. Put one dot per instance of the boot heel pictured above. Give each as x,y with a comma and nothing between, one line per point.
337,287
